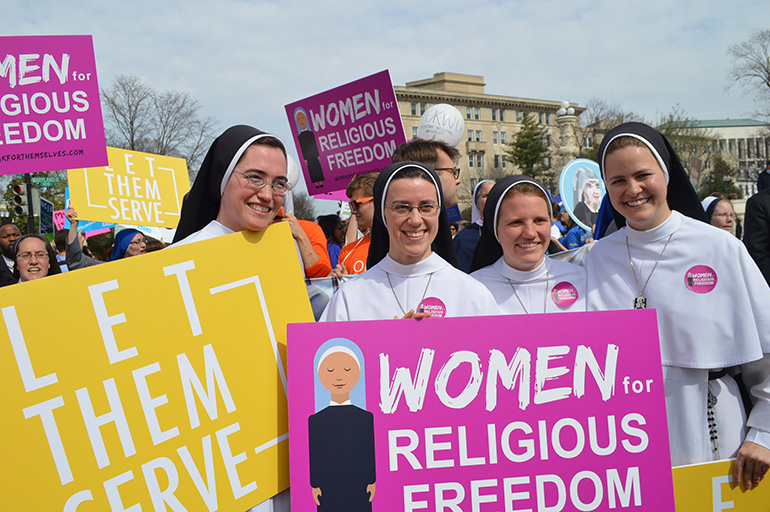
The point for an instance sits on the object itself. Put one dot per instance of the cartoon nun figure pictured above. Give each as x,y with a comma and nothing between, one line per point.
341,435
587,196
308,147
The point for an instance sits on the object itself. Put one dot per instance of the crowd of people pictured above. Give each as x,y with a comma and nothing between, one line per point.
407,262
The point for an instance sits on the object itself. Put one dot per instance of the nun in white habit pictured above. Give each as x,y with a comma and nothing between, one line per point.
511,259
711,301
407,276
241,186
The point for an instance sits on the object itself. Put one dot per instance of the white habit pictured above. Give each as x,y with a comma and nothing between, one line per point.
726,327
534,287
369,296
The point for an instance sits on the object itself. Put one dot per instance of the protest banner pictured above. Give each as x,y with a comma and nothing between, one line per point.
135,189
484,413
45,222
582,191
699,487
347,131
159,382
49,99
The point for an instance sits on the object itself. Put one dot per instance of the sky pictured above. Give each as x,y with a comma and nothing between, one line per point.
244,60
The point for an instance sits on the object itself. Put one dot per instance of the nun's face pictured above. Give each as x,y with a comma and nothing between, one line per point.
301,120
32,259
339,373
723,216
137,246
637,187
244,208
592,192
524,230
411,234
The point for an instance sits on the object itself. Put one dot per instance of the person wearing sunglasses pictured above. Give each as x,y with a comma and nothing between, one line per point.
352,258
408,274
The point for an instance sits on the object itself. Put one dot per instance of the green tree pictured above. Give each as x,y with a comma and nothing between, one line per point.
54,193
528,149
690,142
720,179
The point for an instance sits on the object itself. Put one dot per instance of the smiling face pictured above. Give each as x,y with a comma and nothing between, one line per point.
723,216
637,187
32,260
339,373
410,235
244,208
524,229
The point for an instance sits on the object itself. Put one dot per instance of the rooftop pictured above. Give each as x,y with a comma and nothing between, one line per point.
725,123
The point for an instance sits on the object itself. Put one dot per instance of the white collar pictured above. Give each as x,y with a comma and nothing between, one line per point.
663,230
521,276
334,404
429,265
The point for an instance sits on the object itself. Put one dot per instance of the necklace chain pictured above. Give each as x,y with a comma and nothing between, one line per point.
545,295
424,293
641,302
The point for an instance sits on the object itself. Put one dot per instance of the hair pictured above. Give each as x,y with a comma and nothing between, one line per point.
154,245
624,142
60,240
526,189
329,223
555,210
270,141
364,183
453,225
423,151
53,264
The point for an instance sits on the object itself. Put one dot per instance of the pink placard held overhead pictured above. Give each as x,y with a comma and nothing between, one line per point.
483,413
347,131
50,110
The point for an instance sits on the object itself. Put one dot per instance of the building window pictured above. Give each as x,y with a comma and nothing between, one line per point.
495,137
502,115
480,160
548,118
548,140
476,113
708,165
478,136
503,138
497,161
423,106
471,160
588,142
468,113
541,117
414,132
414,109
494,114
470,135
473,183
518,116
505,161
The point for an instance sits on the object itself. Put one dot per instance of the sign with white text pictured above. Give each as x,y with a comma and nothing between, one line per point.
50,111
135,189
708,486
485,413
347,131
163,386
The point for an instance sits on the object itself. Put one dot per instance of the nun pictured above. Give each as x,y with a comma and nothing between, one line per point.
408,274
511,259
466,240
587,195
711,301
241,186
719,212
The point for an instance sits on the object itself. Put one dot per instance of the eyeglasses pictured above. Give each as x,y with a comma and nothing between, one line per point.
355,205
425,209
138,242
40,255
454,170
725,215
259,182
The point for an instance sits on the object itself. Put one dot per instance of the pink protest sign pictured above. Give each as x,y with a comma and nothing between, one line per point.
485,413
347,131
50,111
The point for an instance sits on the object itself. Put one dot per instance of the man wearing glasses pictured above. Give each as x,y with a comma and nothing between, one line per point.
442,157
353,256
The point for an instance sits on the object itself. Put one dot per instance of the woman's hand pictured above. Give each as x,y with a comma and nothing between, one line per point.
413,315
339,271
751,464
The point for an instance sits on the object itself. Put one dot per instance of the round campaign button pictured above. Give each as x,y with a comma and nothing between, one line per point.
434,306
564,294
700,279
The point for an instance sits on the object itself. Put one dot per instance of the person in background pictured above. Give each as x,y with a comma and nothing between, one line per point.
466,240
35,258
757,235
576,236
558,228
352,259
60,244
335,236
453,229
9,233
440,156
154,245
763,180
720,213
128,242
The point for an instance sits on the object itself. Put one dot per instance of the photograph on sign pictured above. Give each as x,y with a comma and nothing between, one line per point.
135,189
143,397
52,115
347,131
430,415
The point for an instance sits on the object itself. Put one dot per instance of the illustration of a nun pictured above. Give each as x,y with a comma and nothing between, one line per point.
341,435
308,147
587,196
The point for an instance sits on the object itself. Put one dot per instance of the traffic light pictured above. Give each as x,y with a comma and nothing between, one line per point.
19,201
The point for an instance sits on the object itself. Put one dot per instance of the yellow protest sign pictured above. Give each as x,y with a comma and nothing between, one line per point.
151,383
138,189
707,487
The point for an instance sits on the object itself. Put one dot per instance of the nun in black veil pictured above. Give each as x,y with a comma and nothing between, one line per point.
411,272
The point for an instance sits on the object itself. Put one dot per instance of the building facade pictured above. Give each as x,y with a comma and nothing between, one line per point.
491,121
